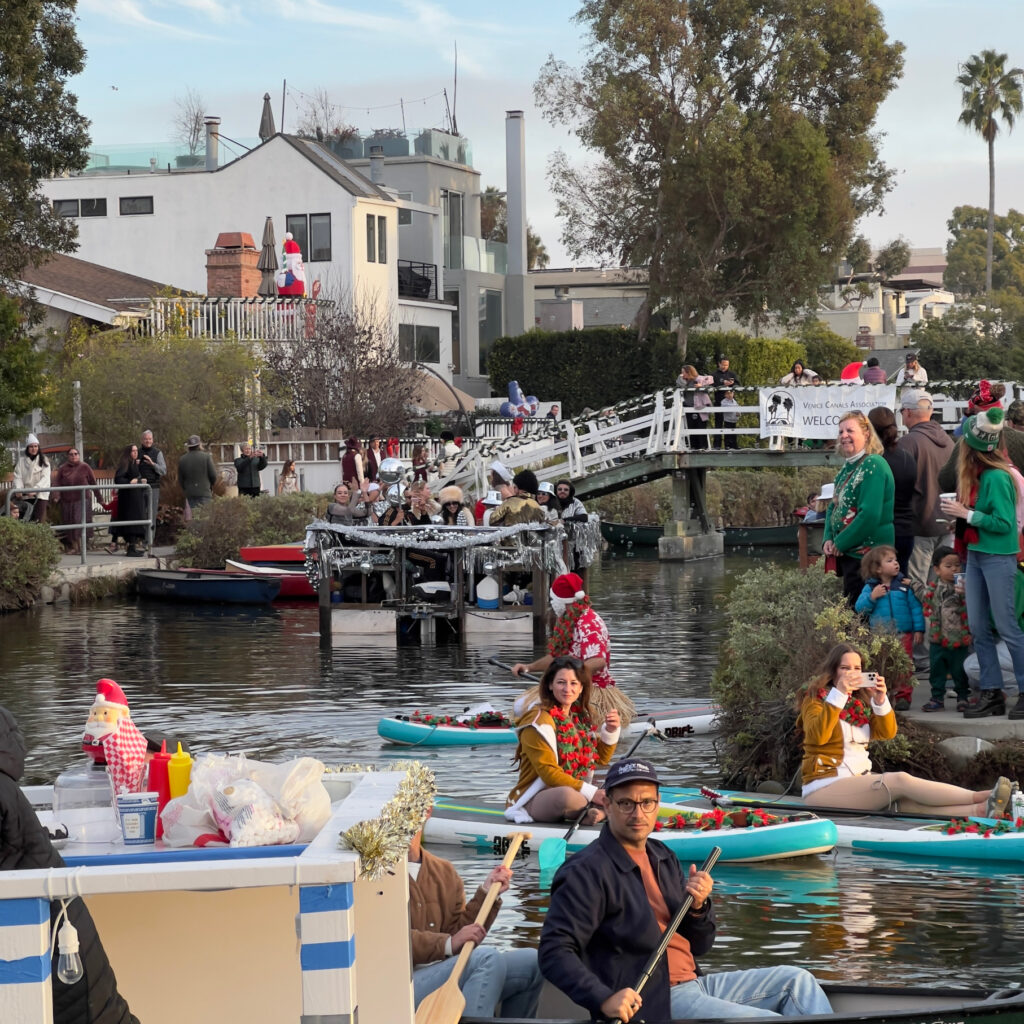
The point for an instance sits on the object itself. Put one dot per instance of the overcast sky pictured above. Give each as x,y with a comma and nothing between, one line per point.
142,54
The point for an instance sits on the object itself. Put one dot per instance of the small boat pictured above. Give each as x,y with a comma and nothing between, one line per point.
295,584
275,554
851,1004
632,534
696,719
216,586
474,824
761,536
974,839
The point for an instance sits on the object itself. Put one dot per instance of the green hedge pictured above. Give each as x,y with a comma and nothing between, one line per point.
31,553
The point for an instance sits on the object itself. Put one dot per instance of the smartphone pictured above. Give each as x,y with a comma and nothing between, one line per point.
868,679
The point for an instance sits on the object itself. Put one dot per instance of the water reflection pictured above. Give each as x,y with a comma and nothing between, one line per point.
232,679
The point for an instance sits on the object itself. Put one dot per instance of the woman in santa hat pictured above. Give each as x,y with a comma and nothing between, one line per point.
579,631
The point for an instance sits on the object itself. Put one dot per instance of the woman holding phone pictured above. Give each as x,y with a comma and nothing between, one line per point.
841,710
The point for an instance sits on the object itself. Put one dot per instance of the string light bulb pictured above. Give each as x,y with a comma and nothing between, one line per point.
69,963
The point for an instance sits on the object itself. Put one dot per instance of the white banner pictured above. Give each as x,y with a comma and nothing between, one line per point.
814,412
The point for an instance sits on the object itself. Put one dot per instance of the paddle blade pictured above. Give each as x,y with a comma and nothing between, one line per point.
443,1005
552,853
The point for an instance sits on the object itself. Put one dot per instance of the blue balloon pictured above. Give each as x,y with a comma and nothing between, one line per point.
532,401
507,409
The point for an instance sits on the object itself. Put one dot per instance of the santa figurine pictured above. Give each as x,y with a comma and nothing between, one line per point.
291,280
111,736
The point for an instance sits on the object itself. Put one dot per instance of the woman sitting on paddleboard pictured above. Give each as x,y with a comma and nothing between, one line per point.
558,750
841,711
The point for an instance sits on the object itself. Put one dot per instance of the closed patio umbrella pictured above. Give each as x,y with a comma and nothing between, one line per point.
267,262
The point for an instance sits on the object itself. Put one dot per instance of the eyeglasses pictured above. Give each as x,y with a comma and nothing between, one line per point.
626,806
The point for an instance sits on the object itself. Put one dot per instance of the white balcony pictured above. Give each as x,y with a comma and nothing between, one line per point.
255,319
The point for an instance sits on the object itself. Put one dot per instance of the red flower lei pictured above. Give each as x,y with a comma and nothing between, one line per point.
577,744
856,712
562,635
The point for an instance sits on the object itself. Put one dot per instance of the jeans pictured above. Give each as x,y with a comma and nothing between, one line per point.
989,595
921,556
510,977
761,992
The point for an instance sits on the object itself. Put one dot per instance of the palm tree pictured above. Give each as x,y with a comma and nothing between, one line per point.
989,93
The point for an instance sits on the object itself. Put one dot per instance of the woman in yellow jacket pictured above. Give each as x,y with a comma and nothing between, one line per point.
839,721
558,749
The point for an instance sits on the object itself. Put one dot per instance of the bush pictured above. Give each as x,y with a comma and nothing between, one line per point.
31,553
782,624
221,527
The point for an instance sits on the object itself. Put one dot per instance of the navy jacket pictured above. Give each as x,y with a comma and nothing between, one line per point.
600,931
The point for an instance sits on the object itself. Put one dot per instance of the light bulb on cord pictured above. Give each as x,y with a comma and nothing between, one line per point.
69,964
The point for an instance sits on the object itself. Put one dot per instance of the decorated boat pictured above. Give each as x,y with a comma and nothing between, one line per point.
967,839
749,835
636,535
484,729
295,583
215,586
275,554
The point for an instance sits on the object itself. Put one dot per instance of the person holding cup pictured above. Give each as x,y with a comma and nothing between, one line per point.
989,537
841,710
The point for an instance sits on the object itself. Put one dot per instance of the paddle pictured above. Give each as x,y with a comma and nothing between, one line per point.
721,800
673,926
508,668
445,1004
552,850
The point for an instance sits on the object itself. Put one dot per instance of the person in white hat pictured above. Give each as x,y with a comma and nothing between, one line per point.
489,503
546,499
32,470
818,503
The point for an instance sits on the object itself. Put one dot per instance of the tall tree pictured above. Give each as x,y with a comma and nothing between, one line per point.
734,144
968,252
189,122
990,93
23,381
42,133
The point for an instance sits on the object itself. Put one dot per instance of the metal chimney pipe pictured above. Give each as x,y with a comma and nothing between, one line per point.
377,165
212,142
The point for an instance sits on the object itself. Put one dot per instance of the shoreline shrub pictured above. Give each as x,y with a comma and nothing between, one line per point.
31,552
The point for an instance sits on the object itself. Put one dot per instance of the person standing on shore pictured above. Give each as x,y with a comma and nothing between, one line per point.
248,465
196,474
33,470
153,468
75,505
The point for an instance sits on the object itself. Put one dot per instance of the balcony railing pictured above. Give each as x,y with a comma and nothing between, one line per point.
417,280
255,319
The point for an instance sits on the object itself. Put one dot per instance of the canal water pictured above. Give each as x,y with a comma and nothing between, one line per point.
230,680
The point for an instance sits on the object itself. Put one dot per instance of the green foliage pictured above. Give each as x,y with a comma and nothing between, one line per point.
43,133
952,349
1006,757
31,553
966,259
892,258
827,352
761,497
734,145
781,625
755,360
22,377
646,505
221,527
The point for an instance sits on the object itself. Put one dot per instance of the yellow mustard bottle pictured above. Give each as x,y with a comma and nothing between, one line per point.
179,772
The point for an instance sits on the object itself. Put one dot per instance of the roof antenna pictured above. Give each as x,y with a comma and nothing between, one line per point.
455,92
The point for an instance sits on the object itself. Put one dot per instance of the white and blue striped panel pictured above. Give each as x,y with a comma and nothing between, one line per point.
25,994
328,953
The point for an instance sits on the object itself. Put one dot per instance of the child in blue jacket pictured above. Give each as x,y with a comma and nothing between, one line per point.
890,604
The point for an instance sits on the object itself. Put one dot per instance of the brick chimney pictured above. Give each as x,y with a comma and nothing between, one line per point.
231,270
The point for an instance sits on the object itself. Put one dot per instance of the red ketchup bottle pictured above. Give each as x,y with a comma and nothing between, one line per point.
160,783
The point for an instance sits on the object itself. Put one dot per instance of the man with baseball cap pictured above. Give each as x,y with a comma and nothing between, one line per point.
610,904
912,372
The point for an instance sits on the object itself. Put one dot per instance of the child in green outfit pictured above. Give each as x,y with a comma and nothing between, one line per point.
948,634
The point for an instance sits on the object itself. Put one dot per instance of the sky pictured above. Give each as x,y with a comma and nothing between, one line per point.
142,55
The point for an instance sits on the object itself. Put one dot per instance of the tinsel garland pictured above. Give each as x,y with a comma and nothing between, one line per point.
383,841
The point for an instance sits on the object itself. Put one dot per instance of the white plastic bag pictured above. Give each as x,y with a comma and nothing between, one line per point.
297,787
188,824
249,815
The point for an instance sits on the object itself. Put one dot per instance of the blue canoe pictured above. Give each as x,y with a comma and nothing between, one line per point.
206,586
473,824
890,835
697,718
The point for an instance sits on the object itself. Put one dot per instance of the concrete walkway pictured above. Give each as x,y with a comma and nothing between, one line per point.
98,566
950,722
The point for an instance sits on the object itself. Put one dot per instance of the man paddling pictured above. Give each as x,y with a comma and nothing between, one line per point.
610,904
442,922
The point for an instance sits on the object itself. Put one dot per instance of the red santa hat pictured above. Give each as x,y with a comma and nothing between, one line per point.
109,695
568,587
290,245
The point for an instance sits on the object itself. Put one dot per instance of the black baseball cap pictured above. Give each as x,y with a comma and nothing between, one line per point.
633,769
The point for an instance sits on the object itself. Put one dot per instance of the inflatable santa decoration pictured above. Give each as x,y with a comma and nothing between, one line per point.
291,279
111,736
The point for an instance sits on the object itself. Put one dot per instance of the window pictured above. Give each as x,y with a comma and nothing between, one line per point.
451,228
94,207
297,224
312,233
371,238
80,207
419,343
382,239
490,323
404,216
65,207
133,205
452,299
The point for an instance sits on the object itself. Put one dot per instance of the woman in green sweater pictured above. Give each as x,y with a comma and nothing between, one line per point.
860,516
986,532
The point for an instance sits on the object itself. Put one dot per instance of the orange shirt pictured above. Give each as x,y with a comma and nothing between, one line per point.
681,966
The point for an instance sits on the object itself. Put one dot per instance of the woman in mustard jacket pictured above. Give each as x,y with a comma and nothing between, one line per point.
841,711
558,750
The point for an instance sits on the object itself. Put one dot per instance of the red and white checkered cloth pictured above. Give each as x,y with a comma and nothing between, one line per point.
125,752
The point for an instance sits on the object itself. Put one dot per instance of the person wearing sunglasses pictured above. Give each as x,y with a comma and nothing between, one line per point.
558,749
453,511
612,901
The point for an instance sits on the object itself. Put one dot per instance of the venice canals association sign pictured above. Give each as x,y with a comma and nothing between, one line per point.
814,412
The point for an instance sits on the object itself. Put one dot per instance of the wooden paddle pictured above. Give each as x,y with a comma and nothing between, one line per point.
445,1004
673,927
552,850
508,668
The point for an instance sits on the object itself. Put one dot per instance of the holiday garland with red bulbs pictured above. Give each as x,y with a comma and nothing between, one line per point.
856,711
577,744
562,635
